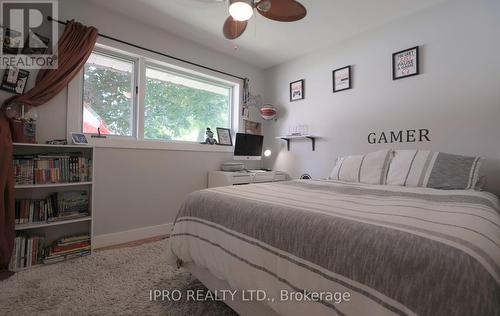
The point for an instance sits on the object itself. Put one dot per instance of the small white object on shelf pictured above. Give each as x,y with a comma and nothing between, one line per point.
295,136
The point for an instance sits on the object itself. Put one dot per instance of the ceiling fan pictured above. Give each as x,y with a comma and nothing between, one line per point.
242,10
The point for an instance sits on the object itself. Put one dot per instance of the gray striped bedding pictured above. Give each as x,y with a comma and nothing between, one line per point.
395,250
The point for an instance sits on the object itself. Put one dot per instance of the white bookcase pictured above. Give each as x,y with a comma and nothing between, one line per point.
55,229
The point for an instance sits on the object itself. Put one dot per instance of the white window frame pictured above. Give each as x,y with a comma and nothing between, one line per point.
135,98
75,102
176,72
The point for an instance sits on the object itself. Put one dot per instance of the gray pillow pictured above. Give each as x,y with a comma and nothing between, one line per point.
437,170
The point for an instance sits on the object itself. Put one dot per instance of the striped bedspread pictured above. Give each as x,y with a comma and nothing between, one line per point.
394,250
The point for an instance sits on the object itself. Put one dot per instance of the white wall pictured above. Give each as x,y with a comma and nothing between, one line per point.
137,188
457,96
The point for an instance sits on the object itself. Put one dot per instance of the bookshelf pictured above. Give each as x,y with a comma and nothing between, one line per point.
61,223
47,224
51,185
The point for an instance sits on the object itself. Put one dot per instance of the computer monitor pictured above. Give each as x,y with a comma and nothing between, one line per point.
248,147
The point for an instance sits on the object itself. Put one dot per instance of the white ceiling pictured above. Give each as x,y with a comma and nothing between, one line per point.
267,43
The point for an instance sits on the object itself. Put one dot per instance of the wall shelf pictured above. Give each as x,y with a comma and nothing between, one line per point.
52,146
51,185
54,223
288,138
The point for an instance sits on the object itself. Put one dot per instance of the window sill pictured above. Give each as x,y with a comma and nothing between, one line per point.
157,145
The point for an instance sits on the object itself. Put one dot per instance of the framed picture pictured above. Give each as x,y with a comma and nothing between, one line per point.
342,79
79,139
405,63
14,80
224,136
297,90
252,127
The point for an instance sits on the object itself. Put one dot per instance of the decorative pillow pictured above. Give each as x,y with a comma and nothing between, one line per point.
399,168
423,168
370,168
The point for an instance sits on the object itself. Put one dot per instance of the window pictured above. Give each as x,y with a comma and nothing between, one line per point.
147,99
108,95
179,107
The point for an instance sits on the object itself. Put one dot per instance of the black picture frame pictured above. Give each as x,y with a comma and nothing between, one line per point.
17,87
226,132
417,66
349,78
302,90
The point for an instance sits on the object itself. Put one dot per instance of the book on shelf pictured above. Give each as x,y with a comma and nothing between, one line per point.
31,250
57,206
46,169
27,252
67,248
23,169
71,239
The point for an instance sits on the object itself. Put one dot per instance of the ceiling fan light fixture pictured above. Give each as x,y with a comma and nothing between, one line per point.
241,10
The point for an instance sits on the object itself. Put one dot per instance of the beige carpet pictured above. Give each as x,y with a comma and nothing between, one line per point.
110,282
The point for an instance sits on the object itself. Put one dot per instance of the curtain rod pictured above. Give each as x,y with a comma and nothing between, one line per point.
156,52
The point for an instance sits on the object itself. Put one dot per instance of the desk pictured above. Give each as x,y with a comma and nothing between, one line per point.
225,178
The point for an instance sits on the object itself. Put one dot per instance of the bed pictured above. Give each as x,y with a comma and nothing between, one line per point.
323,247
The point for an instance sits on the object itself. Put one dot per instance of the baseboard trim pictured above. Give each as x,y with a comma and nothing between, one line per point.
126,236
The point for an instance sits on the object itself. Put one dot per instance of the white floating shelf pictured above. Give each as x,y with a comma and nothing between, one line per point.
51,185
55,223
287,138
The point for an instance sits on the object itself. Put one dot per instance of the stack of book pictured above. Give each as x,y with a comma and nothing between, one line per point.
57,206
31,211
67,248
44,169
28,251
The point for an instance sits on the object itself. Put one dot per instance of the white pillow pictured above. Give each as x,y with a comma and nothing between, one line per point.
370,168
399,168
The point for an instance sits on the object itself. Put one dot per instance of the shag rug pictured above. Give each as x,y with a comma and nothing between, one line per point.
109,282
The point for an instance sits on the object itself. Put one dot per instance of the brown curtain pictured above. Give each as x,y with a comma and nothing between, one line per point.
74,47
7,197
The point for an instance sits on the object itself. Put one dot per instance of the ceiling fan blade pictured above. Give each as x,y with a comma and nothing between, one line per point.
233,29
284,11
